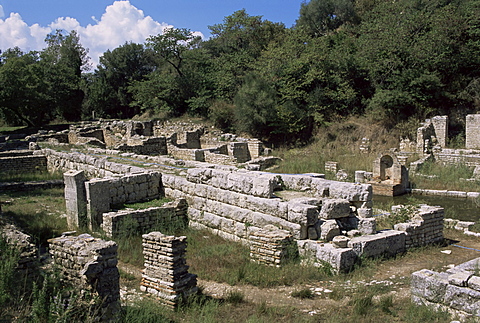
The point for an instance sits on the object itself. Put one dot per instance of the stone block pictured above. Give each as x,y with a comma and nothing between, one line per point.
429,285
340,242
341,259
459,278
329,229
335,209
369,246
367,225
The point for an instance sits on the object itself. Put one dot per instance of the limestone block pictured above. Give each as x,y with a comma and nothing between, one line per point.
474,283
462,299
395,241
302,213
335,209
341,259
460,278
369,246
329,229
351,191
429,285
312,233
340,242
367,225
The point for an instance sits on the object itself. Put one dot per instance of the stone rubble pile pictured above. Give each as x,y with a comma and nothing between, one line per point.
166,272
271,246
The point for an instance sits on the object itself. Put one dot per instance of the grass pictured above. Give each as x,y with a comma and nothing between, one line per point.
30,177
444,177
37,213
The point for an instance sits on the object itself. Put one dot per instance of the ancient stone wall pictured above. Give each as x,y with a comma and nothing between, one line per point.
89,264
166,272
102,194
467,157
28,257
186,154
472,131
456,290
23,164
172,214
93,166
424,228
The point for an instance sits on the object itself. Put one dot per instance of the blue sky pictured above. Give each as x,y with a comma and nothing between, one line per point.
104,24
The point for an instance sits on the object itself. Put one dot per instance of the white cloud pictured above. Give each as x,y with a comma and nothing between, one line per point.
120,23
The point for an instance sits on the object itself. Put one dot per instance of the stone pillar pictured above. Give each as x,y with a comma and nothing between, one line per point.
239,150
359,176
75,199
166,272
255,147
440,124
472,131
98,201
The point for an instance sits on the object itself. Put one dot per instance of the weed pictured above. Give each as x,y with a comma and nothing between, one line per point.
235,297
362,304
303,293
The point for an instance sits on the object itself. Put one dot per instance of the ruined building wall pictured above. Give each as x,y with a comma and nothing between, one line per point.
89,264
172,214
425,227
23,164
235,204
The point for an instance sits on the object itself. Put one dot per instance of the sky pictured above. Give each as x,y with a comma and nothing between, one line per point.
104,25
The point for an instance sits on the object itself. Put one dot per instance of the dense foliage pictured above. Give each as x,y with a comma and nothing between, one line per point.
391,60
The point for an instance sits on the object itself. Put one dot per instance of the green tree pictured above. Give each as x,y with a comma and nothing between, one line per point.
63,61
24,92
319,17
108,87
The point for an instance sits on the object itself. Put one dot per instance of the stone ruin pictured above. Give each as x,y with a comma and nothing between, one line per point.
457,290
390,178
184,141
89,264
166,273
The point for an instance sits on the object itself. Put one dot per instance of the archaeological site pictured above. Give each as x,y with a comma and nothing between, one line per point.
227,185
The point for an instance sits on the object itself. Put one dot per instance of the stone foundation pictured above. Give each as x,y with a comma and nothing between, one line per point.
456,290
272,247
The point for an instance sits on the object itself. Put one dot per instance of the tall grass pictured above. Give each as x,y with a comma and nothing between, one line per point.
442,177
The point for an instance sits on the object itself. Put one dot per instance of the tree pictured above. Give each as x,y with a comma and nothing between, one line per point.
319,17
63,61
108,87
25,98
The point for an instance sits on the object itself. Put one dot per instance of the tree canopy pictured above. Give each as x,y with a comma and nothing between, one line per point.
392,60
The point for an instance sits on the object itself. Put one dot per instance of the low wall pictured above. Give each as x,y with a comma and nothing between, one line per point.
90,264
28,257
272,247
23,164
468,157
91,165
173,214
425,227
456,290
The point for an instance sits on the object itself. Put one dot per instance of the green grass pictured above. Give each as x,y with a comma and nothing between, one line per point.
7,129
445,177
30,177
37,213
